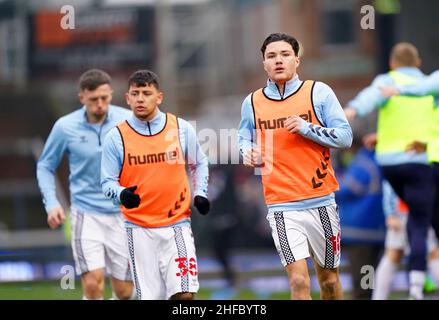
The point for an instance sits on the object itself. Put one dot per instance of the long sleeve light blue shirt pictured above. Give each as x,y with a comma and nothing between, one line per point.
329,112
82,142
429,85
113,155
370,98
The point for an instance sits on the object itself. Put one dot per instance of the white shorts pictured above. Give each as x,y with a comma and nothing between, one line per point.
99,241
300,234
163,261
398,240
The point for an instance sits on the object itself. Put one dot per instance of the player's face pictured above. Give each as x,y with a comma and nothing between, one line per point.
96,101
144,101
280,61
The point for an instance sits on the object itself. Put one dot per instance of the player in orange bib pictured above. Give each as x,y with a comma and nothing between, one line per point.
287,128
144,169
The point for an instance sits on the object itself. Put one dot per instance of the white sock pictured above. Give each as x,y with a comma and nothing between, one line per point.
114,296
416,279
134,294
383,278
433,269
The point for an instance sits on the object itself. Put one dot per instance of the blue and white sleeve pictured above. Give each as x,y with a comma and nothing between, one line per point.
336,131
111,165
48,162
246,130
196,159
370,98
429,85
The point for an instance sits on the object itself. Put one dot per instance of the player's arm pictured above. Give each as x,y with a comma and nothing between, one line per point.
429,85
368,99
46,168
111,165
335,132
246,134
198,166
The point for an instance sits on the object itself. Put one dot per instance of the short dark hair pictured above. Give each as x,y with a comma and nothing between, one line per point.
280,37
142,78
93,78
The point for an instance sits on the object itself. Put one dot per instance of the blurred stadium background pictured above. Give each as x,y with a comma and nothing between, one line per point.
206,53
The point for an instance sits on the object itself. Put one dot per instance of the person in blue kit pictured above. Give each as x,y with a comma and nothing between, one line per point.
361,215
306,120
98,234
401,121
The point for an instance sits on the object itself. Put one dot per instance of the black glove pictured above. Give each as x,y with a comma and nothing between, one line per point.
129,199
202,204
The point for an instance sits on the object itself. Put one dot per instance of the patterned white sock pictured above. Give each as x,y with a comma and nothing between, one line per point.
383,278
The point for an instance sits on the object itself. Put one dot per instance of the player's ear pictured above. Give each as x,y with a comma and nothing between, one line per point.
81,97
160,97
127,96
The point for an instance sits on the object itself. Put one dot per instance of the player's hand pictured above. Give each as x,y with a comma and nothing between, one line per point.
394,223
293,124
416,146
55,217
350,114
388,92
202,204
252,159
128,198
370,141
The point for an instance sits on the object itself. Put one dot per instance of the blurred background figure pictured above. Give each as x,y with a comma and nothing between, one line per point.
402,121
396,245
224,216
361,213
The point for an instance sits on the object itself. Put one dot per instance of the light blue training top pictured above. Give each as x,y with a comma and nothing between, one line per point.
113,154
370,98
429,85
329,112
82,142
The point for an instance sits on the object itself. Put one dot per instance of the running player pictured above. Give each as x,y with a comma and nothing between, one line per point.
304,120
143,169
98,233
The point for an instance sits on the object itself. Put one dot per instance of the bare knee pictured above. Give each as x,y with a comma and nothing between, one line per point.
183,296
124,291
330,284
300,283
92,288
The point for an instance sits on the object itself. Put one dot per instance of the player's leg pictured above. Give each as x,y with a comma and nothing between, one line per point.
418,194
144,263
329,281
433,257
88,253
178,262
385,273
93,284
116,249
395,243
435,218
123,290
292,246
298,278
323,230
